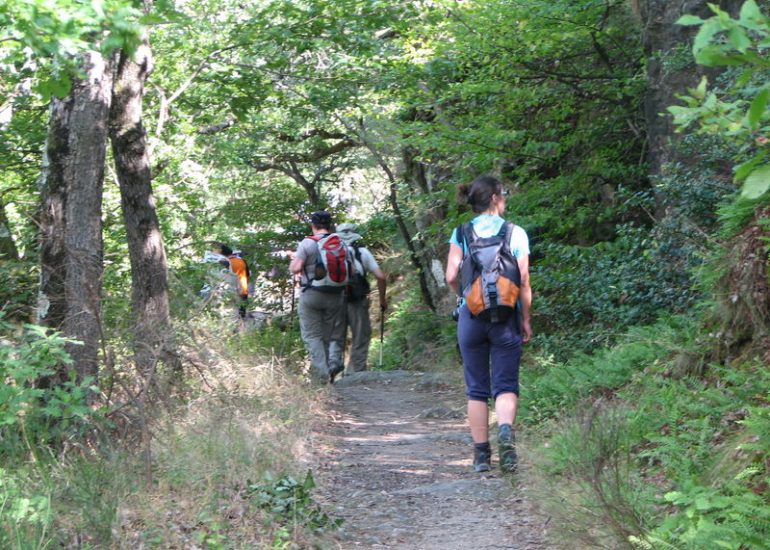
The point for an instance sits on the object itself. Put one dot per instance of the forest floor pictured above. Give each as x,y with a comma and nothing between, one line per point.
394,462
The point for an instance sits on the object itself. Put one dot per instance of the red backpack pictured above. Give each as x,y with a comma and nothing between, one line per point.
333,262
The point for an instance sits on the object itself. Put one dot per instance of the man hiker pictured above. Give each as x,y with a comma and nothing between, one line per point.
240,269
358,297
321,261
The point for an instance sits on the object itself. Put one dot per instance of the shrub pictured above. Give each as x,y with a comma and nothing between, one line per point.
416,337
664,460
31,415
19,288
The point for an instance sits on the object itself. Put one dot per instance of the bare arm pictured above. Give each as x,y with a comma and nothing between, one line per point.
382,282
454,260
525,295
297,264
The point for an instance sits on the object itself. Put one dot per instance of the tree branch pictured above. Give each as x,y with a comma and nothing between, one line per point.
315,132
216,128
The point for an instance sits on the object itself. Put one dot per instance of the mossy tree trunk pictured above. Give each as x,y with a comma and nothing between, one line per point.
671,71
51,305
744,291
83,170
424,181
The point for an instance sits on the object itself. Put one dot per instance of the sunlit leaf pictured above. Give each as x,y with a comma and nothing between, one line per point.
743,170
705,34
750,12
757,183
739,39
689,20
757,108
715,56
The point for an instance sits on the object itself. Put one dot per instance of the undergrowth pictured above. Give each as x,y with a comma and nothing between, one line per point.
638,454
415,337
200,483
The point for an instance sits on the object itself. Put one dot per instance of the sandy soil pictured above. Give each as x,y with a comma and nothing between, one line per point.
395,463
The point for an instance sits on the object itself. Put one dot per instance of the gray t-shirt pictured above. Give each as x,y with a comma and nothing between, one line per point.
308,251
367,259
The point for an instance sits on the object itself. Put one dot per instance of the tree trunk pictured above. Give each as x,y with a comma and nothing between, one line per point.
149,272
414,255
8,248
84,177
51,307
427,297
432,254
663,42
744,290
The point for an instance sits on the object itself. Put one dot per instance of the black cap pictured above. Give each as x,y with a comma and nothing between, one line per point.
321,218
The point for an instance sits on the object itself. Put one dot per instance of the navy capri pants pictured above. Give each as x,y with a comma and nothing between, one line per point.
483,343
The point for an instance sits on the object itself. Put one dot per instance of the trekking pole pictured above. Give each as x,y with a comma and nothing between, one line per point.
382,331
293,289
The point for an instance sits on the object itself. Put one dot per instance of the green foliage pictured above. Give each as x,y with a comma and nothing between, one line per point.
740,112
23,517
18,291
416,337
31,415
667,461
593,450
276,341
602,289
380,232
37,31
290,502
693,440
558,387
714,518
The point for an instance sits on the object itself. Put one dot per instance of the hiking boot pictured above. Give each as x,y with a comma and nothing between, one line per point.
333,373
482,460
506,446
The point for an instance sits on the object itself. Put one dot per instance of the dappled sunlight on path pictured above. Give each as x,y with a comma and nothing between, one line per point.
396,465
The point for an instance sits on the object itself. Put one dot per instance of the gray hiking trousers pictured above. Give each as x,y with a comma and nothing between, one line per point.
361,334
322,323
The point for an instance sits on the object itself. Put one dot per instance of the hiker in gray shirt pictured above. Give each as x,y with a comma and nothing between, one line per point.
358,297
322,301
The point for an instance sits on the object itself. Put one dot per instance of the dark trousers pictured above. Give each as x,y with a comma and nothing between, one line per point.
491,354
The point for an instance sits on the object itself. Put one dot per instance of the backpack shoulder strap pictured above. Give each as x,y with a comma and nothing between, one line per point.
311,277
357,255
506,231
463,232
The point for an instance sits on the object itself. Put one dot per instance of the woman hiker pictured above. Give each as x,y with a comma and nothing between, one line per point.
491,351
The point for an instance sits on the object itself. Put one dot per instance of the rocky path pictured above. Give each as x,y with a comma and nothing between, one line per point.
396,465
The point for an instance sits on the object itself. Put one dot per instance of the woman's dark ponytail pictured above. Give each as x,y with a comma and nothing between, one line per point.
463,194
478,195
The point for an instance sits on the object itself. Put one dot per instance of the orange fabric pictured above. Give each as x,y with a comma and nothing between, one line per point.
238,266
475,297
509,292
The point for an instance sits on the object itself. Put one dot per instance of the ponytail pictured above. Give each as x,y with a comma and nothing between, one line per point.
478,195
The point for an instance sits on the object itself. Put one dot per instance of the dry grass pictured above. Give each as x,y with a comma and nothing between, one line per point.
249,417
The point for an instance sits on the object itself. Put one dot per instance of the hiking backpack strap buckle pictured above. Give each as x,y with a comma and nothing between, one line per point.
492,293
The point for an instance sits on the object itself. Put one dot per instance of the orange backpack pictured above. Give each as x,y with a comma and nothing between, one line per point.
489,273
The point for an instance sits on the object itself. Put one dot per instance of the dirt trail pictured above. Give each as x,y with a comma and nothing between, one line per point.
395,464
